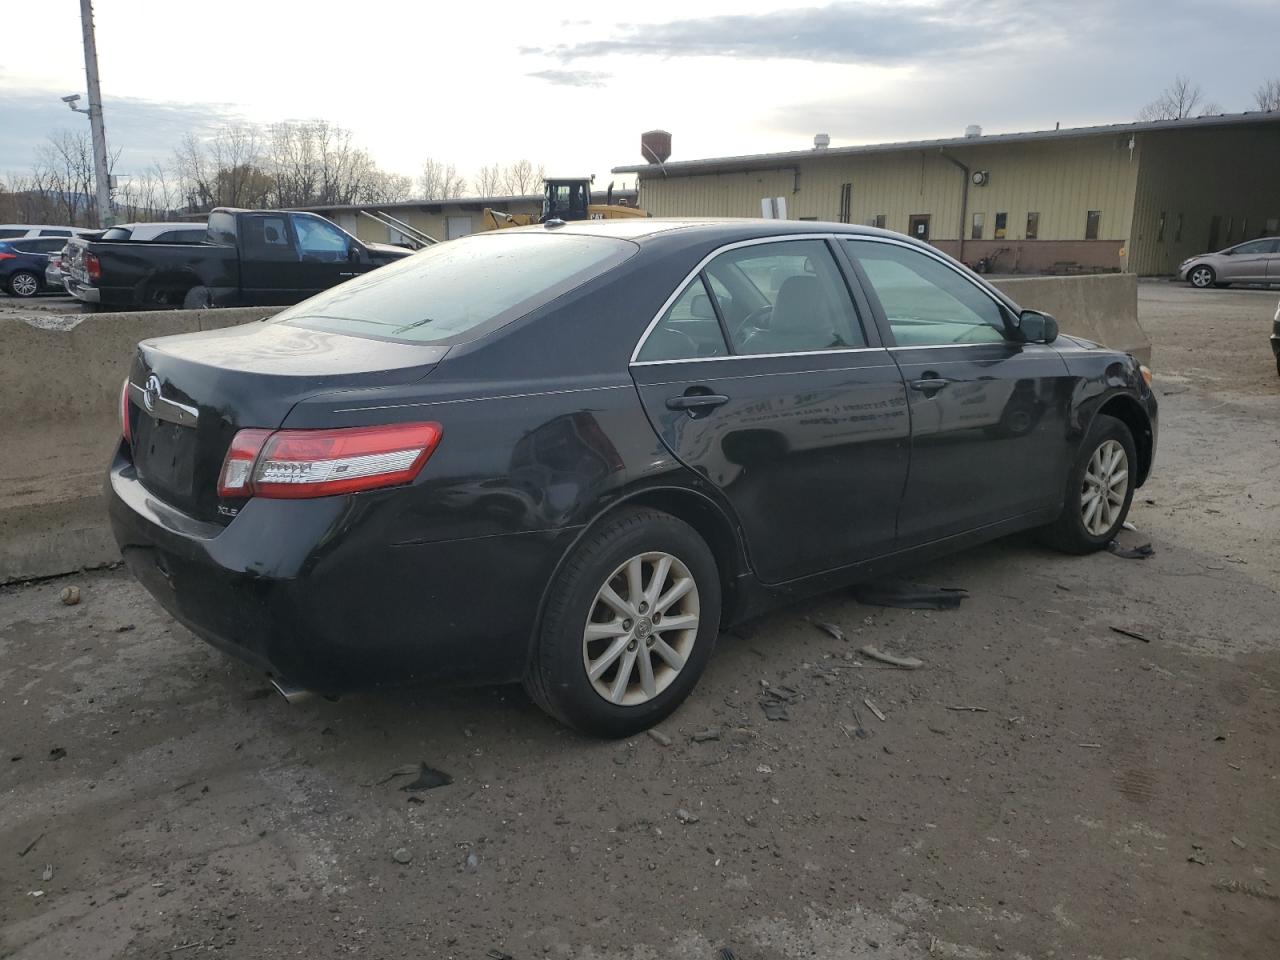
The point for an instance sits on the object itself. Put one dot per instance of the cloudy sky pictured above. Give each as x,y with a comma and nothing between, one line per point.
572,84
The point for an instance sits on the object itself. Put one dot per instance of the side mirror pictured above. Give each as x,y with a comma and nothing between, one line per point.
357,253
1037,327
702,307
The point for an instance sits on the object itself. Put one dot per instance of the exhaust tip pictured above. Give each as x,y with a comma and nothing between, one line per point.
287,690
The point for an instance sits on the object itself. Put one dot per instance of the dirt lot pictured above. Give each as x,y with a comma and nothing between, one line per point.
1105,796
40,307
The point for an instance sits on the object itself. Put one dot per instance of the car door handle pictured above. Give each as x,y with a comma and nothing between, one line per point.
929,386
696,401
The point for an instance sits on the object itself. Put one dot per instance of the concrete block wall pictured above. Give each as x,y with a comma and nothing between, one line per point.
60,380
60,384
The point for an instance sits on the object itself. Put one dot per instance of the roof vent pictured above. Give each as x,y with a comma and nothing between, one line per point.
655,146
973,130
821,141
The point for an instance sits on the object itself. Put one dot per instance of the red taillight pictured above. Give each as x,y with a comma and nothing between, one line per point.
292,464
92,268
8,256
125,429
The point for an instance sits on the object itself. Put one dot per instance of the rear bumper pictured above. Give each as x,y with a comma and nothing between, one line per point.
306,590
81,291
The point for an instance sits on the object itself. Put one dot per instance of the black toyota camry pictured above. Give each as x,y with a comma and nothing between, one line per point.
569,455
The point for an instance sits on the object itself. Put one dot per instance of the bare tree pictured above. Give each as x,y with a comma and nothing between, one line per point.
440,181
522,178
489,180
1181,99
223,170
1267,96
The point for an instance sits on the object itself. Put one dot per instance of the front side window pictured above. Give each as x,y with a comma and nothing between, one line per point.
926,302
784,297
689,330
320,240
457,291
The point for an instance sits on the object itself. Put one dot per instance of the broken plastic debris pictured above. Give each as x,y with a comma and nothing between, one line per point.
829,628
1131,553
428,779
909,596
905,663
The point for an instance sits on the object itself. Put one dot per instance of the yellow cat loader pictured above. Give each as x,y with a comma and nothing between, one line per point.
564,200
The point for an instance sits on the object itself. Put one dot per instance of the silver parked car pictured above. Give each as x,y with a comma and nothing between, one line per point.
1254,261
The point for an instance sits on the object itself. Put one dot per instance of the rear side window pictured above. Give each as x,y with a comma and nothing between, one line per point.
457,291
55,233
40,244
688,330
784,297
8,234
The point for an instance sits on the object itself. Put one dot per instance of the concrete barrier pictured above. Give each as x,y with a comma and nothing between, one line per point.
60,394
1101,307
61,390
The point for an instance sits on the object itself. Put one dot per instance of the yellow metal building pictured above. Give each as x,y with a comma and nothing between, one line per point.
1137,197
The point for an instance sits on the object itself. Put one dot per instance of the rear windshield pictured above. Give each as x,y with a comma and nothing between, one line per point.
117,233
457,291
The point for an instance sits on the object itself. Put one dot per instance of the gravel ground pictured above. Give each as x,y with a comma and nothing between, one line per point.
1043,787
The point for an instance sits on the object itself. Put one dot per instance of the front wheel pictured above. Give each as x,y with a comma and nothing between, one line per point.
1099,489
1201,277
24,284
629,625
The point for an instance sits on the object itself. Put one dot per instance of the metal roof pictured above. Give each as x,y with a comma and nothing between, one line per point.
597,196
753,161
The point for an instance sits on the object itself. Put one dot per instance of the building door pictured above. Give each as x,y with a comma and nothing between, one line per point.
918,226
1215,225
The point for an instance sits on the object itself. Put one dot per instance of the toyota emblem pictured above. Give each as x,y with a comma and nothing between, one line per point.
151,393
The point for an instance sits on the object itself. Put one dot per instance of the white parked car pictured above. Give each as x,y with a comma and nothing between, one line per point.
20,231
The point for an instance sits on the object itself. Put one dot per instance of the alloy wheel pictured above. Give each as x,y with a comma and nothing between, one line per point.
1201,277
25,285
1105,486
641,629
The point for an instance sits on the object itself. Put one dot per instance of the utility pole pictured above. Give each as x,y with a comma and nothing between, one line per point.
101,175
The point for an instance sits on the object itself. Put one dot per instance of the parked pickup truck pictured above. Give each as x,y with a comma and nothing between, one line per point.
248,258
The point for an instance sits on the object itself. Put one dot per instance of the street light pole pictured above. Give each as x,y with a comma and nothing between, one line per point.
95,115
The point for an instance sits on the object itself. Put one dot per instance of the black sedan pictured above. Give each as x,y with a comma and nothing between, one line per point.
570,454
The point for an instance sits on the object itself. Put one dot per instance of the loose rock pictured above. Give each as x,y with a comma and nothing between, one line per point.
70,596
402,855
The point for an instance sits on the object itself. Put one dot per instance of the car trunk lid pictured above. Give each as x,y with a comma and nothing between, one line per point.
190,394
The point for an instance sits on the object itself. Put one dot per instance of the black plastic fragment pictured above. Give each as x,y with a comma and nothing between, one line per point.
909,596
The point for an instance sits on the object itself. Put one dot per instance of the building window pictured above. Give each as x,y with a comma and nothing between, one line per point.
1160,228
1002,225
976,232
1244,228
1231,223
807,218
846,202
1091,224
877,221
1177,229
1033,225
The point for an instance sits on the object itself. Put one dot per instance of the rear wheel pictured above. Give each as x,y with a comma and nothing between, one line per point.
629,626
24,283
197,298
1201,277
1099,489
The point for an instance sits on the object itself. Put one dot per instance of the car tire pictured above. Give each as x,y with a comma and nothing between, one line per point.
1202,277
24,283
585,642
1094,508
197,298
